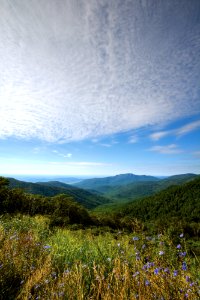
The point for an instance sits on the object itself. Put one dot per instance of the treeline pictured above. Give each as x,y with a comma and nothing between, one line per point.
176,208
54,188
61,209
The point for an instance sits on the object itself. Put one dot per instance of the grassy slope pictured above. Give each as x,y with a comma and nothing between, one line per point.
36,263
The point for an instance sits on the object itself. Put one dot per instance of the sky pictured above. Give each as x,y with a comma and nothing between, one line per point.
99,87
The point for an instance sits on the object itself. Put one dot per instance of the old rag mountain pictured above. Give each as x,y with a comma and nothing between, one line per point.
130,186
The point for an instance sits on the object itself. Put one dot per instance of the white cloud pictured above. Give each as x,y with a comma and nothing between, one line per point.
160,134
68,155
168,149
187,128
177,132
133,139
71,70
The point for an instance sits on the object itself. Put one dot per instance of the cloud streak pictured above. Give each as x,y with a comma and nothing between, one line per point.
177,132
167,149
74,70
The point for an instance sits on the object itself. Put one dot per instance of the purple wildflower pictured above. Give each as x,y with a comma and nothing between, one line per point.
175,272
156,271
136,273
182,254
186,295
147,282
187,278
166,270
135,238
191,284
184,266
178,246
47,247
181,235
161,252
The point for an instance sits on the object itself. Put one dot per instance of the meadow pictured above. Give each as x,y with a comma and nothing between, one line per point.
38,261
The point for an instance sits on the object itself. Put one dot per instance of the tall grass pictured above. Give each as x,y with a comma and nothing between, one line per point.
36,263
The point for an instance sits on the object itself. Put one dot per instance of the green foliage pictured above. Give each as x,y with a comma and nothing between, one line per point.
62,209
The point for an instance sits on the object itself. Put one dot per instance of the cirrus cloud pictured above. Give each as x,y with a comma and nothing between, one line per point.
72,71
167,149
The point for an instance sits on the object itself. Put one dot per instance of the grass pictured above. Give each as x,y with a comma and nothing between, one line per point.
36,263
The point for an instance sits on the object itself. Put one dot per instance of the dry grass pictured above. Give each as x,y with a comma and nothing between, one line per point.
38,264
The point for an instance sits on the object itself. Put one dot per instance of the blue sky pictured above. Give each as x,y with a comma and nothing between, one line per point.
99,87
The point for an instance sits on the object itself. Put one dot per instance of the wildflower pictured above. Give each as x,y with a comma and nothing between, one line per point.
182,254
108,259
135,238
181,235
161,252
150,264
175,272
147,282
47,247
187,278
156,271
178,246
184,266
143,246
191,284
136,273
118,244
166,270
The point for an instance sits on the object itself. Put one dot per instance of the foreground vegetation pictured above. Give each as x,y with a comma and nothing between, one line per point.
39,263
54,248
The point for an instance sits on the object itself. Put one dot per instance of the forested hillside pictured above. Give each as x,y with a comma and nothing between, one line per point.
81,196
137,190
168,207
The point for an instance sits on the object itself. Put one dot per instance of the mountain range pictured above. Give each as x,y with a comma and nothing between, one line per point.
104,191
130,186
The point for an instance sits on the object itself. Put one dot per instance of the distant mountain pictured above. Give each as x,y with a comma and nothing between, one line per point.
43,178
140,189
54,188
104,184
